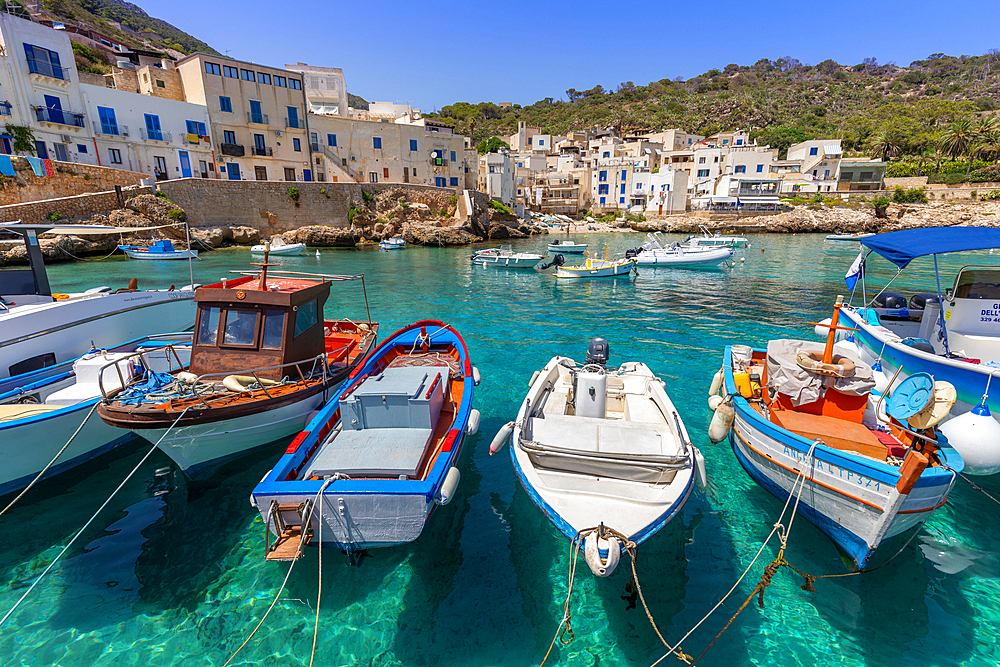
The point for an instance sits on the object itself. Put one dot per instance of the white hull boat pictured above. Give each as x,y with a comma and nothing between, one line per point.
716,240
847,237
656,251
597,268
392,244
568,247
597,448
504,257
280,248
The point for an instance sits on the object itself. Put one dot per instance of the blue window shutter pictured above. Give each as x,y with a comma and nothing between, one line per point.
623,189
202,130
376,142
621,200
813,150
624,175
760,168
413,144
602,200
331,139
453,156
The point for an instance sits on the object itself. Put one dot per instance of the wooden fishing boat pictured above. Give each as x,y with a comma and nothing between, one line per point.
372,466
597,447
263,359
798,421
159,250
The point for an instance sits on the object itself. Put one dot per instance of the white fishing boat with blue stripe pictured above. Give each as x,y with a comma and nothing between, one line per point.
801,425
603,453
159,250
958,343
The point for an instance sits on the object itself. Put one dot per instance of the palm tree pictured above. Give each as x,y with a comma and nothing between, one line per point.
991,141
958,137
886,142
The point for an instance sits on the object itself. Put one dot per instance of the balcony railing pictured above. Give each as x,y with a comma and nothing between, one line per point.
58,116
295,123
110,130
47,69
235,150
263,151
258,118
155,135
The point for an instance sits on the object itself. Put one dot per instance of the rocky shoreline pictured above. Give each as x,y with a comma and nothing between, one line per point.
389,214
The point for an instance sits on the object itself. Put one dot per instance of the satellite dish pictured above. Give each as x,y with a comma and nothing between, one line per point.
434,154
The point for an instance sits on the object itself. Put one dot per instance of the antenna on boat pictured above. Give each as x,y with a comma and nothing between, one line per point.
262,285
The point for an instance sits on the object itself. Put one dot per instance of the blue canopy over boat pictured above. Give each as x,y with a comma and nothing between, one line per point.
902,246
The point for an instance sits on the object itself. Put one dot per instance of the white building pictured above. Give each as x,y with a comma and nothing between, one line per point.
496,176
820,166
325,88
160,137
666,192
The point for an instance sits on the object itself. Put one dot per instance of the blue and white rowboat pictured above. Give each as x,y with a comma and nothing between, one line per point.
159,250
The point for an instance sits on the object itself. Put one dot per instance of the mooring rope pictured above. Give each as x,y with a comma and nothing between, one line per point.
90,521
966,479
319,578
50,463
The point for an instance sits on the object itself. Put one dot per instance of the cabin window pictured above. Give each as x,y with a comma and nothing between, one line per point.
208,326
241,327
274,326
305,317
978,283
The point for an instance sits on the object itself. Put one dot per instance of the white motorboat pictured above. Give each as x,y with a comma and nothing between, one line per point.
162,249
598,268
279,247
395,243
567,247
600,448
41,410
708,239
654,253
848,237
39,328
505,257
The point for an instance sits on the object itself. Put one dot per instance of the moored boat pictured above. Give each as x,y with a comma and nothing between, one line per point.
505,257
277,246
395,243
708,239
162,249
797,413
654,252
263,358
567,247
603,453
849,237
372,466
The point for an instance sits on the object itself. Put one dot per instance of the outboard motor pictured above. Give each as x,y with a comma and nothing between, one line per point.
557,260
598,352
632,252
919,301
889,300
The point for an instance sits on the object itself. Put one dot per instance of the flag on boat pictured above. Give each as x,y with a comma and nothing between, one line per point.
857,268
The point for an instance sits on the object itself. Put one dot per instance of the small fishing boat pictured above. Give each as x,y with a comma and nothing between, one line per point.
849,237
263,359
371,467
801,425
715,240
602,452
44,410
162,249
653,252
598,268
505,257
277,246
567,247
394,243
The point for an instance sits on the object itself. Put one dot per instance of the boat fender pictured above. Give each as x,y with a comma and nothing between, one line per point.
447,490
722,422
500,439
881,381
714,402
476,377
186,378
716,383
601,567
472,426
812,361
823,328
239,383
700,474
534,376
975,435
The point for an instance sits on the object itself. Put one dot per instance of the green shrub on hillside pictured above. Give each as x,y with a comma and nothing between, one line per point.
989,174
499,206
177,215
911,196
991,195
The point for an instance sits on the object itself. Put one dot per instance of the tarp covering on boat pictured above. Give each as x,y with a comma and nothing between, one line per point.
903,246
802,386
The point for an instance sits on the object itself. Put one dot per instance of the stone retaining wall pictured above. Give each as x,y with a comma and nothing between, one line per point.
70,179
78,207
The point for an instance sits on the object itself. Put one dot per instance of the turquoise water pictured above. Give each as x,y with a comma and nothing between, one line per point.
172,572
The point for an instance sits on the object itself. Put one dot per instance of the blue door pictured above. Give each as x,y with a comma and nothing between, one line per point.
234,171
439,182
185,164
307,175
41,150
54,107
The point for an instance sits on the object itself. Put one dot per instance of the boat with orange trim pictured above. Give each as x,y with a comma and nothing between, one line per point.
798,418
263,359
376,461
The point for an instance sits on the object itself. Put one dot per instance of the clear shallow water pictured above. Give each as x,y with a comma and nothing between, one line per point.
172,573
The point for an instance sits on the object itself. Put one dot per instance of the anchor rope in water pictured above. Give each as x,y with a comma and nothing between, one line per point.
319,577
969,481
277,596
50,463
90,520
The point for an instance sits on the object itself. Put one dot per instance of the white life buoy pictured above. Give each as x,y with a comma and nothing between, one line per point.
716,383
721,423
186,378
241,383
700,474
447,491
601,567
500,439
472,426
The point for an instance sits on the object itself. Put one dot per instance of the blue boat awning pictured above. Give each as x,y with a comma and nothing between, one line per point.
903,246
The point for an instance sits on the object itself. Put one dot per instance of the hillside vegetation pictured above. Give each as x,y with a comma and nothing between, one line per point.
886,110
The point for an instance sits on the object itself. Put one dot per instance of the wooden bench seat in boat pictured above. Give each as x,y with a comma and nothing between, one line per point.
836,433
641,452
21,410
372,452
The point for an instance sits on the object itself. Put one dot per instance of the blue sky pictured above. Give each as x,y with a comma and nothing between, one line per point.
521,51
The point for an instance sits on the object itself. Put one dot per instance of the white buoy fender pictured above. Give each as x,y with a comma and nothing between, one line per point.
472,426
976,436
700,474
881,381
500,439
534,376
186,378
447,491
722,421
601,567
476,377
820,330
716,383
714,402
239,383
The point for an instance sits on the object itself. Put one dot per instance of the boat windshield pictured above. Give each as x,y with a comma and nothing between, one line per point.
978,282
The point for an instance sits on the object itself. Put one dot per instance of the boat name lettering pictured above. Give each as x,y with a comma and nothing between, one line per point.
825,466
991,315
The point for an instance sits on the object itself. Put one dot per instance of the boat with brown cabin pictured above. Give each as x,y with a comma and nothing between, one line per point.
263,360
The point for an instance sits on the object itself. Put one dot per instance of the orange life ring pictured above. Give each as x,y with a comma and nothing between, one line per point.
812,361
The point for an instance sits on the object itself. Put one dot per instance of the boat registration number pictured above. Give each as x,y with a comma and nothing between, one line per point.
827,467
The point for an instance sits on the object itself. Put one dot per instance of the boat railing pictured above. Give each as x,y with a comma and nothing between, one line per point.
141,354
325,276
